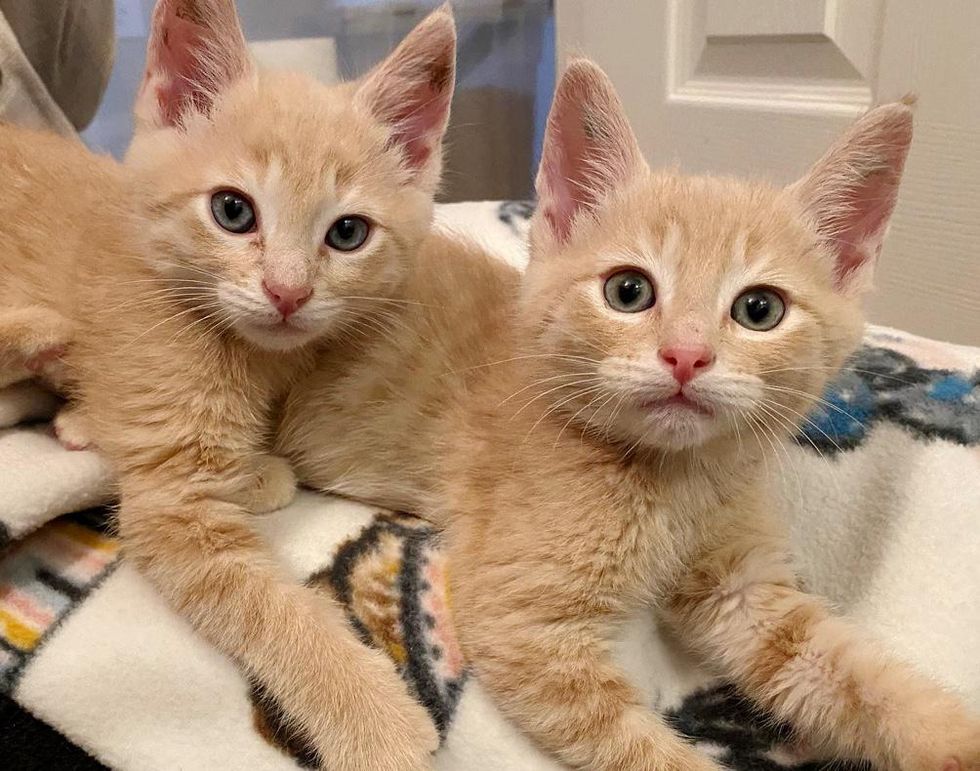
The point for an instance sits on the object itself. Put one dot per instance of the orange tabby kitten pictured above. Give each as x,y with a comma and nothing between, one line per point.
666,325
599,434
258,214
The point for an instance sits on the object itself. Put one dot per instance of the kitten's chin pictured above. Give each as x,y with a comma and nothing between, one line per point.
673,428
274,337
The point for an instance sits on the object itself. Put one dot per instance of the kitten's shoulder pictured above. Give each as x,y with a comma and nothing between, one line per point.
19,143
458,259
34,164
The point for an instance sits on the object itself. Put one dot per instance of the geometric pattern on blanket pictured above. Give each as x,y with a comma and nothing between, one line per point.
882,384
43,577
391,579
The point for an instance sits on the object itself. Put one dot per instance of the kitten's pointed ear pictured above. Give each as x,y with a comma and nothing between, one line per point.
850,194
411,91
195,51
589,148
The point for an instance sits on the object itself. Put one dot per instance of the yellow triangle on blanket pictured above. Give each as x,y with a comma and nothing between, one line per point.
17,633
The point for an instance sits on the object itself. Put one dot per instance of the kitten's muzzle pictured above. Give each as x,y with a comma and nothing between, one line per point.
285,298
687,361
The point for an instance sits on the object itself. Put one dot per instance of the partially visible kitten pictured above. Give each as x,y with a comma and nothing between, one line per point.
259,215
671,331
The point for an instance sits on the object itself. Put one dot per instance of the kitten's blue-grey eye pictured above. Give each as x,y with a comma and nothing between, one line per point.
629,291
233,211
348,234
759,309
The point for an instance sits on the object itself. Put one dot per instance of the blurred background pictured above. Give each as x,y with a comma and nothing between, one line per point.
755,88
505,81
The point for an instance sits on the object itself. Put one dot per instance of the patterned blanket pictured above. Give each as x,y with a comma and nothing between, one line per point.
882,488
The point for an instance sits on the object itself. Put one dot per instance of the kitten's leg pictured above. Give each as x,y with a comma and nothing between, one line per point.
32,341
788,653
204,556
273,485
549,671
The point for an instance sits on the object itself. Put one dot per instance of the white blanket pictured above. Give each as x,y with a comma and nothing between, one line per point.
883,493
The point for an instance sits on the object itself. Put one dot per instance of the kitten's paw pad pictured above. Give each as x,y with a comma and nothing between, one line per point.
38,361
48,365
275,485
955,746
71,431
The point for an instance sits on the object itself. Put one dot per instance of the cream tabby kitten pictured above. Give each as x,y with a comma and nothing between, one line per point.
597,446
665,323
258,214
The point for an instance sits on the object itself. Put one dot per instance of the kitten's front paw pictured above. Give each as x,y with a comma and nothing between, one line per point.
389,730
406,740
48,366
646,744
274,486
39,361
71,429
950,742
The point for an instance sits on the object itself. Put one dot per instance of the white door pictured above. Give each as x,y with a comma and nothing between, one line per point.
760,87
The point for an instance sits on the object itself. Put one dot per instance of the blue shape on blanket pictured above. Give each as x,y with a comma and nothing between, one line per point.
879,384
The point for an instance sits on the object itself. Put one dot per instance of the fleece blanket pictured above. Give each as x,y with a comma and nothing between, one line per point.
881,487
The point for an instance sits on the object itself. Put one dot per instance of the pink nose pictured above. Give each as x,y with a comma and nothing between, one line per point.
287,299
687,361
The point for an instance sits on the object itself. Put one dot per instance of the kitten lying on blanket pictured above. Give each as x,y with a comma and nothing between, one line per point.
669,330
609,453
258,214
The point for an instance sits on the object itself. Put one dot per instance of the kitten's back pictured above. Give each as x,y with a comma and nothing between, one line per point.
52,187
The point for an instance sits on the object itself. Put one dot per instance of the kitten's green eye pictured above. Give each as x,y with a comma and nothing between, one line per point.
759,309
348,233
233,211
629,291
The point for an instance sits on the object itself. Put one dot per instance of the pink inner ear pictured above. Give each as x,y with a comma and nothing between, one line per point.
558,201
176,69
565,170
419,122
858,239
179,67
